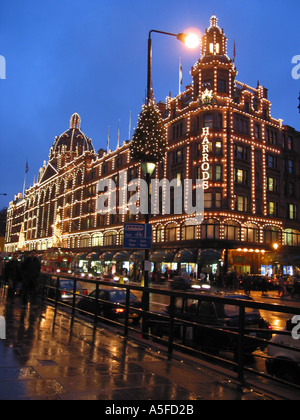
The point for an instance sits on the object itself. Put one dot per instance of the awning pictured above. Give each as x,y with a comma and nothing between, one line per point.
93,256
106,256
209,256
121,256
276,258
161,255
137,256
80,257
186,256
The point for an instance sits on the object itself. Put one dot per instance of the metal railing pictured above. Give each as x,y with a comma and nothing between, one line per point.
171,321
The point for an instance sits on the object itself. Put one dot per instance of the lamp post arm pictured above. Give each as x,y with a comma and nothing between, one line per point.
149,66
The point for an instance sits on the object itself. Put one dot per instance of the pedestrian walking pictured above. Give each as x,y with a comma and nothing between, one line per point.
31,268
264,286
281,287
13,276
247,284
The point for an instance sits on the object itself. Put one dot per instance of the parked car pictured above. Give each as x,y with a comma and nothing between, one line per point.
220,317
259,282
65,289
180,283
108,305
282,362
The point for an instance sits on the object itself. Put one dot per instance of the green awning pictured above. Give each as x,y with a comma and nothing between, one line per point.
161,255
186,256
93,256
209,256
80,257
106,256
121,256
137,256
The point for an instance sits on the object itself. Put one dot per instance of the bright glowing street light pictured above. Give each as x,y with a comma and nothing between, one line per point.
190,40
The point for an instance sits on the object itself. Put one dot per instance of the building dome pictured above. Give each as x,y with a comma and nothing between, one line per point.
72,142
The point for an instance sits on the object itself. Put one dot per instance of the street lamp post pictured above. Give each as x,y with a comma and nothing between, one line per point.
275,246
148,169
191,41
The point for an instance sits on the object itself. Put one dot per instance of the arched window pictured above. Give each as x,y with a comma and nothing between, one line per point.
47,197
210,229
97,240
70,183
291,237
53,192
61,188
84,241
171,232
159,233
232,231
251,233
79,179
272,235
110,238
188,232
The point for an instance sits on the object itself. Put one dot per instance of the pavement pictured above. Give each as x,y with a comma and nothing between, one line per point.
46,356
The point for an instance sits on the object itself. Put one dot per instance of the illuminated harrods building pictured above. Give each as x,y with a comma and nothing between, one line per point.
252,201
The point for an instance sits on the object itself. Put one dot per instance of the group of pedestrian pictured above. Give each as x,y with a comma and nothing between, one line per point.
23,276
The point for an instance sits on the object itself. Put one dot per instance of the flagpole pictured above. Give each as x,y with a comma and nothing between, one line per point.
129,131
24,185
234,52
107,144
26,170
180,76
118,143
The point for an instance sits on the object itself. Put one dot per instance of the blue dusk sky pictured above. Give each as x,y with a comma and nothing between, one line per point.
90,57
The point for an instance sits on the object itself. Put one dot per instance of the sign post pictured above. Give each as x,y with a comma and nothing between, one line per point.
137,235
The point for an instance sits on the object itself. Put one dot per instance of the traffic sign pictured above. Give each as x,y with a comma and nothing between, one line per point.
137,235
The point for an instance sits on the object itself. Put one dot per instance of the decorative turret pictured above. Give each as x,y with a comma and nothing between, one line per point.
215,72
214,41
75,121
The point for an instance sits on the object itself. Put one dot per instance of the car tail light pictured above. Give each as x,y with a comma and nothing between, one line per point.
85,292
120,310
